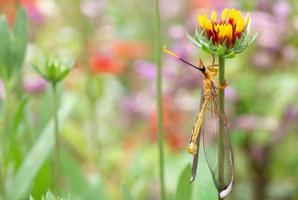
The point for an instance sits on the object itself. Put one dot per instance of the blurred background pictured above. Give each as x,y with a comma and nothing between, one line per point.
107,115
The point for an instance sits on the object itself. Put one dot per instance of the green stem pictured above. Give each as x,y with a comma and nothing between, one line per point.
221,124
159,101
56,159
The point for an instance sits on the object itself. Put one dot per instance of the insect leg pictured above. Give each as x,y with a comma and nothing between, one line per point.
221,87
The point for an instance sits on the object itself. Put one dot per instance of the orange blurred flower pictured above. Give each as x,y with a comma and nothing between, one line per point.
129,49
105,64
8,8
208,4
173,122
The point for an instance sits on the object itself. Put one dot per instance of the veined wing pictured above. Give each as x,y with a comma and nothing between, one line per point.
217,147
196,130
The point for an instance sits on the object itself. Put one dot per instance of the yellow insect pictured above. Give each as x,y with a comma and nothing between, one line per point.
216,141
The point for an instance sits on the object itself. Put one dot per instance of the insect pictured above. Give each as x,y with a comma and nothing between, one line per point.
211,126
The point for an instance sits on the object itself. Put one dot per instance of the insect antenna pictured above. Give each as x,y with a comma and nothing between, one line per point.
201,68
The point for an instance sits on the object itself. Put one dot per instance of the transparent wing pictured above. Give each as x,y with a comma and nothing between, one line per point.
196,128
217,147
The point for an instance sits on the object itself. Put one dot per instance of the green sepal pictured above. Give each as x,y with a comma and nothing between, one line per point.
53,70
230,55
193,41
207,45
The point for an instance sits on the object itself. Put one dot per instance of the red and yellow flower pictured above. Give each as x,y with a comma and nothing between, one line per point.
228,28
226,34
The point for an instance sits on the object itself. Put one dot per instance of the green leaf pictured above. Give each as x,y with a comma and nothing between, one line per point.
43,180
79,186
37,156
4,46
19,114
126,193
19,40
184,187
14,152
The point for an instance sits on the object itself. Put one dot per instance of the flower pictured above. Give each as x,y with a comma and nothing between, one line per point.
34,85
173,120
105,64
129,49
33,11
145,69
223,35
230,26
52,69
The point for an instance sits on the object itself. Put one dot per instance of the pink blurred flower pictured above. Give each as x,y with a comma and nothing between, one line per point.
33,11
271,30
263,59
177,32
230,94
247,122
147,70
170,8
92,8
281,9
35,85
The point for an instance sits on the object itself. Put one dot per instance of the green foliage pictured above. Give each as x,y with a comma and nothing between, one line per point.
184,187
4,46
80,187
50,196
126,193
12,45
36,157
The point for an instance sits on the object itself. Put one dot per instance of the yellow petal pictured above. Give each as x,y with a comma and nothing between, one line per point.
216,28
232,14
247,19
201,21
224,14
229,31
238,15
222,31
208,25
204,22
214,16
239,25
